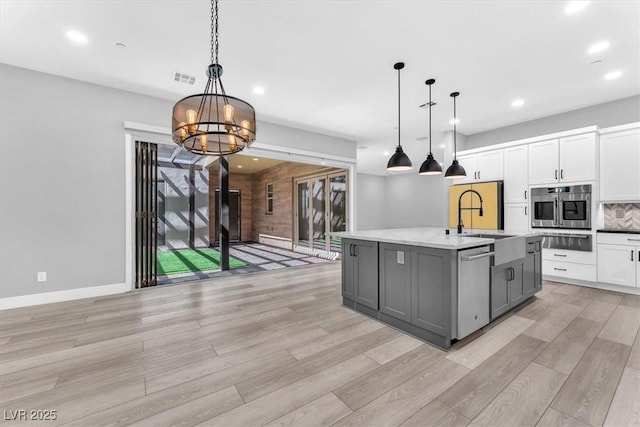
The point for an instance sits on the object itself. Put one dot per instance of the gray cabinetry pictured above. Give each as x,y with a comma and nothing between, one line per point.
395,281
507,287
360,272
533,267
431,285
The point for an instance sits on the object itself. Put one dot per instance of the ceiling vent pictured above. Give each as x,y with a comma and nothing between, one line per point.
184,78
426,104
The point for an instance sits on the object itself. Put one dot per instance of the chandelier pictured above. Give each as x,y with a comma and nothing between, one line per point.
213,123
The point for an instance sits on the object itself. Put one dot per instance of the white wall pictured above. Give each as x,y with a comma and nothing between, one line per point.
62,177
619,112
370,202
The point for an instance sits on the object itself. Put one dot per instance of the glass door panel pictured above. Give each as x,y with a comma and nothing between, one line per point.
337,209
318,214
303,214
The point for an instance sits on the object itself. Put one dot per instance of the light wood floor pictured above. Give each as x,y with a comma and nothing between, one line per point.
277,348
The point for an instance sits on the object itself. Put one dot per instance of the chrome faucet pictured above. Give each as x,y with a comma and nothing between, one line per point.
460,208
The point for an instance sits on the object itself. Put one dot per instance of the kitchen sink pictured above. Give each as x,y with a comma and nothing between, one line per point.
507,247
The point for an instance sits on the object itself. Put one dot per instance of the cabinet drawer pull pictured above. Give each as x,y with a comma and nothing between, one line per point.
633,240
560,269
531,252
560,255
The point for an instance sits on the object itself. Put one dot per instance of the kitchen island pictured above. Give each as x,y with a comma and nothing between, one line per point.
439,287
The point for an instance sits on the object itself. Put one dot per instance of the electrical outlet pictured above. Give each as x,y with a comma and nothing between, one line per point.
400,257
42,276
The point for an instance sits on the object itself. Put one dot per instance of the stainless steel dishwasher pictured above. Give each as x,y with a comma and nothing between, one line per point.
474,276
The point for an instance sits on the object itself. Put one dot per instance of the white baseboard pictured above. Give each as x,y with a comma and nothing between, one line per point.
598,285
59,296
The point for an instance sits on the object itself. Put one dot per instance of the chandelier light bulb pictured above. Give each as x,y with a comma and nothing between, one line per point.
232,142
183,131
203,143
244,129
228,112
191,119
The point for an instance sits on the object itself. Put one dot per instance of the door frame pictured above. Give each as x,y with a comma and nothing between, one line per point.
162,135
327,175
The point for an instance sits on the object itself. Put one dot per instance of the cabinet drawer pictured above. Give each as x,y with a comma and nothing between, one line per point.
569,270
563,255
619,239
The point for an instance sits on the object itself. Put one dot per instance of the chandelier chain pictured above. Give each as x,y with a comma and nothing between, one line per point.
214,31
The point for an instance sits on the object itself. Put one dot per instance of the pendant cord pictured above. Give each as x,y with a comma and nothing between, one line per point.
455,151
214,31
430,152
399,145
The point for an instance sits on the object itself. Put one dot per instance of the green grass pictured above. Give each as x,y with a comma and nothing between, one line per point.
186,260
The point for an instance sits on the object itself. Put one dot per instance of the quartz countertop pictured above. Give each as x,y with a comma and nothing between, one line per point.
618,230
431,237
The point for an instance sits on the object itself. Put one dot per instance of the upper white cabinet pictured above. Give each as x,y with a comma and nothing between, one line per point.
516,175
516,218
481,167
620,166
569,159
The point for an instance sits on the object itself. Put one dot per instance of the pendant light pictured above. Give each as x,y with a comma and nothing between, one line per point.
455,170
431,165
399,161
213,123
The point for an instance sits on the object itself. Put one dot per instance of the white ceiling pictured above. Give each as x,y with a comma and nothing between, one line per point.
328,65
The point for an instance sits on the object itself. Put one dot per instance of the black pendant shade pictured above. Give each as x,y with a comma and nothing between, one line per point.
455,170
431,165
399,161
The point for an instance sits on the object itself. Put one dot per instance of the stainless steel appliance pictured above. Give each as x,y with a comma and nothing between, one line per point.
561,207
573,242
473,289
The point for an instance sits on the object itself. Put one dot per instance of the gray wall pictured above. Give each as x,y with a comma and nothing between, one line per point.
415,201
619,112
370,202
62,190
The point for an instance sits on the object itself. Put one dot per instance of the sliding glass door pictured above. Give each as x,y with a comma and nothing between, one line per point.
321,208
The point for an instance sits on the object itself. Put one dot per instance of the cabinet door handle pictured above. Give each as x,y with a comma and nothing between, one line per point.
355,250
478,174
560,269
561,255
632,255
556,173
561,173
351,249
633,240
525,211
525,194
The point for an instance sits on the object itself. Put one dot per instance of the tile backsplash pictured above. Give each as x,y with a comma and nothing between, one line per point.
624,216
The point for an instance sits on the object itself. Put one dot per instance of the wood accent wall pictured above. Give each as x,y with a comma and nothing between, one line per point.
255,220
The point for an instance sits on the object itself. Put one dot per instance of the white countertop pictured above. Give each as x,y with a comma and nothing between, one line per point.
431,237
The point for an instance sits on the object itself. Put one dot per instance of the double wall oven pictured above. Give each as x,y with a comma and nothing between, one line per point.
563,207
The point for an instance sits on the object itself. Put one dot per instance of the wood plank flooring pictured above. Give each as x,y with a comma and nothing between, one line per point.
277,348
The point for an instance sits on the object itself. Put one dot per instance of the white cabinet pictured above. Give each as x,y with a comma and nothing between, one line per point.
516,218
516,174
620,166
482,167
543,162
569,159
618,261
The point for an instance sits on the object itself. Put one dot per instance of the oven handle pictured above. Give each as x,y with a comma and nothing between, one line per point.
555,213
577,236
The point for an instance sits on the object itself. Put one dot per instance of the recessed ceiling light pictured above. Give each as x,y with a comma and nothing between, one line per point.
613,75
575,7
255,159
452,121
77,37
385,153
441,145
517,103
258,90
239,166
598,47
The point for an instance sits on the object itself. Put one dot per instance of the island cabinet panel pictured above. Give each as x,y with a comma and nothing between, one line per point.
533,267
516,284
395,281
360,272
431,271
500,276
